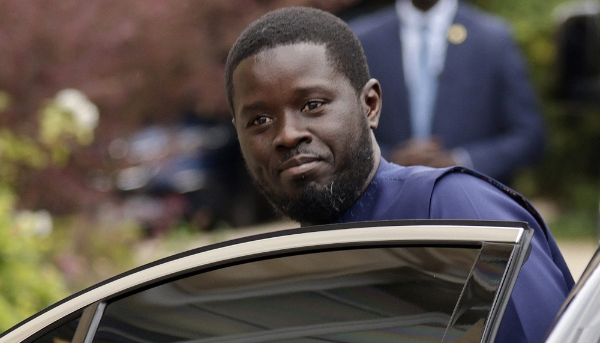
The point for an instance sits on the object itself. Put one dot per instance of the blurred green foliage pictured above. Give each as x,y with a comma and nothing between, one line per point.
29,277
28,280
569,173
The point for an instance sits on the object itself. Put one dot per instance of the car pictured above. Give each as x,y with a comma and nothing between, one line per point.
579,318
389,281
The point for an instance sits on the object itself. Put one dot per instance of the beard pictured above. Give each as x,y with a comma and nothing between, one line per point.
316,204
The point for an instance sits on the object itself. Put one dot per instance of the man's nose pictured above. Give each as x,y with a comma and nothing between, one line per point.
292,131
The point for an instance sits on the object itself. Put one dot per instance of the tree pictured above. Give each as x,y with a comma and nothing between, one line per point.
137,60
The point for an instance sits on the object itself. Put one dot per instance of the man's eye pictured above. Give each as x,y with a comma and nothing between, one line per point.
311,105
260,121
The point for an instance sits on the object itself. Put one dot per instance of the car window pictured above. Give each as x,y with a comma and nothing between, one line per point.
62,334
383,294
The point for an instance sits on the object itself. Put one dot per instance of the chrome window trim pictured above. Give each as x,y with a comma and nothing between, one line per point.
87,318
434,233
93,326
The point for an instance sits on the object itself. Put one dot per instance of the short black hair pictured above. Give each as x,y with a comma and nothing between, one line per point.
292,25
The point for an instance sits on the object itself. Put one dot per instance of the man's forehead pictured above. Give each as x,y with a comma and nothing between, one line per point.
288,54
299,60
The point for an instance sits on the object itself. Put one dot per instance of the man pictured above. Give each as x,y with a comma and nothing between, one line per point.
456,88
305,110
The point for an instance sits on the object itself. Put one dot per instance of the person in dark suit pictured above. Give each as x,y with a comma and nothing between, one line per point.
479,111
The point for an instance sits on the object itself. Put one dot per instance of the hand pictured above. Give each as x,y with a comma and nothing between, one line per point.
429,152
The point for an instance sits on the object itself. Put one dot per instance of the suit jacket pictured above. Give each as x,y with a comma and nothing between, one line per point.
458,193
485,103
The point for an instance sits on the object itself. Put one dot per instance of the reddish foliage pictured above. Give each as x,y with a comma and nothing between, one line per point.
132,58
135,59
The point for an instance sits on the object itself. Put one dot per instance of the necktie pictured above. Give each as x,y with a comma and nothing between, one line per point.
423,92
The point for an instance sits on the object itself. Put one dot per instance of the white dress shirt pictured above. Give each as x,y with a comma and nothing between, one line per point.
423,41
438,19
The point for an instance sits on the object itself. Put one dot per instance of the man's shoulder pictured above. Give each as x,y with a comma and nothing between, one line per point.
445,177
443,193
471,191
449,179
393,172
467,180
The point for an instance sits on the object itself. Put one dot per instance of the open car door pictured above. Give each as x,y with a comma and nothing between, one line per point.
392,281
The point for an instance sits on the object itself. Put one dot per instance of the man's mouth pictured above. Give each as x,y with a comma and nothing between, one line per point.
298,165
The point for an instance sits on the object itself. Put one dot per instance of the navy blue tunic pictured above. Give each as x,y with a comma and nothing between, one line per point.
457,193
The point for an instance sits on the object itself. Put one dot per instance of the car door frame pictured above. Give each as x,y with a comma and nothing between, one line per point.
90,302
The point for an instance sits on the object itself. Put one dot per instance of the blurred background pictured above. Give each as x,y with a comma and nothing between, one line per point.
116,145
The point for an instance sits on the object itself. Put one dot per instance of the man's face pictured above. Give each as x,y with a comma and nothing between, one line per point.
304,131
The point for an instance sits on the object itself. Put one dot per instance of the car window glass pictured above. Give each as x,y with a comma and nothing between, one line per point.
479,293
357,295
62,334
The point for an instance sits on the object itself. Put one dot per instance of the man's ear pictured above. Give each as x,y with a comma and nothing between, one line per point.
371,100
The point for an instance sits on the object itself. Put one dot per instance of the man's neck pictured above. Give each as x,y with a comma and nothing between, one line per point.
376,161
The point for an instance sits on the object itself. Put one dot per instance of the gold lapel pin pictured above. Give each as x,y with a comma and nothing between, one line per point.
457,34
